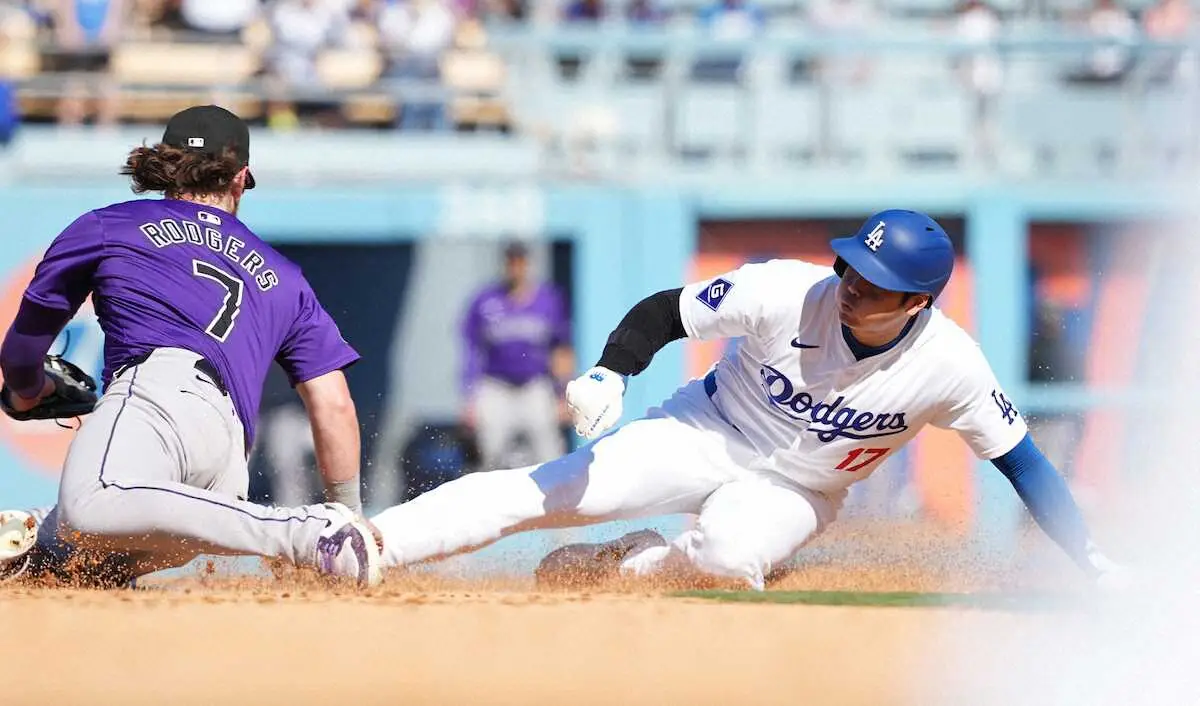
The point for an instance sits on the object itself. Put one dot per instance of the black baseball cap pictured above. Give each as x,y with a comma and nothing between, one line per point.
210,128
515,250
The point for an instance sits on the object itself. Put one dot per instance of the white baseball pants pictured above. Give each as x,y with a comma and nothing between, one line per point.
683,457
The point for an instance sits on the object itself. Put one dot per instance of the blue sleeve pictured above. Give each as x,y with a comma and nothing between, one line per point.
1049,500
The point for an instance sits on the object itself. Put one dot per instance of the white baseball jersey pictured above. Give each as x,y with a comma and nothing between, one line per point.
813,411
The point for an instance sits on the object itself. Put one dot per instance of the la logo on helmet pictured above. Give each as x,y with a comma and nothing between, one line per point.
875,238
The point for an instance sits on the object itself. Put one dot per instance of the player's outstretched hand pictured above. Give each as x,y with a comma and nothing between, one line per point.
594,399
69,392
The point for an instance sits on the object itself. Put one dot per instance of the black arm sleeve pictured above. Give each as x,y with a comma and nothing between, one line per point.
651,324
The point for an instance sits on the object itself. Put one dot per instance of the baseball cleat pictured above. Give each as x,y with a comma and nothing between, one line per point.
346,548
18,535
583,565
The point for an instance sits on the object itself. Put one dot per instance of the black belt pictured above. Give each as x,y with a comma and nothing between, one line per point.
203,366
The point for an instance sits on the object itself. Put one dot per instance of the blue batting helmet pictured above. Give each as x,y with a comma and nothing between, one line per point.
902,251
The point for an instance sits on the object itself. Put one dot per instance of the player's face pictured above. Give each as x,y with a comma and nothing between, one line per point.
872,312
516,268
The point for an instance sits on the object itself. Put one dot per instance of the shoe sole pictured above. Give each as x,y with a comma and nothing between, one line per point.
366,551
583,565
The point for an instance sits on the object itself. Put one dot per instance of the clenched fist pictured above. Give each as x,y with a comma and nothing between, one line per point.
594,399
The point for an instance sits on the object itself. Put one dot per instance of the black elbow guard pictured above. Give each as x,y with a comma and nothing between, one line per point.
651,324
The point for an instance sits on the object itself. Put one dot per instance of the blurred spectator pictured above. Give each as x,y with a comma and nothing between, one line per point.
846,19
1114,25
506,10
517,356
733,19
218,19
361,10
978,25
1169,21
727,20
584,11
644,12
414,34
85,32
300,29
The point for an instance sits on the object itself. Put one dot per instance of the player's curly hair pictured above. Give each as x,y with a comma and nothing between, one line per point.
175,171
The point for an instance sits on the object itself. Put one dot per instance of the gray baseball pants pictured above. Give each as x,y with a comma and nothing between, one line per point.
503,410
159,471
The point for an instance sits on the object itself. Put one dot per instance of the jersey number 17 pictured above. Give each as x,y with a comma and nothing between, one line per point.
852,463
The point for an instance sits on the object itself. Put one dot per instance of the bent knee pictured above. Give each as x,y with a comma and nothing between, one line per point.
83,512
723,553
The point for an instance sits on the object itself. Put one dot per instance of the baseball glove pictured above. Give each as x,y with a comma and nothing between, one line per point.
74,393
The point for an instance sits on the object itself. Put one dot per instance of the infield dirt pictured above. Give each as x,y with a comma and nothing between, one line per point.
424,638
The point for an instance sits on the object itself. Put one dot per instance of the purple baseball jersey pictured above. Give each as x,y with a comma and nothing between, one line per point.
175,274
511,340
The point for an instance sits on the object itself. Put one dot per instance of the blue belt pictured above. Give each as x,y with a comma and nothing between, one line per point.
710,389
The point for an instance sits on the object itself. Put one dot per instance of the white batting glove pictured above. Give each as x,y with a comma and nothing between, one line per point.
595,401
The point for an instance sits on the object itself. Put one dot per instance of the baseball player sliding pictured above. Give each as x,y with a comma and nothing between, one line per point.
832,372
195,307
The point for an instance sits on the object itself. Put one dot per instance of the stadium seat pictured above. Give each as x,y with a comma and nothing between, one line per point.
640,112
19,60
932,117
472,71
786,125
177,64
1068,129
857,125
477,79
711,118
348,68
369,108
156,105
1024,72
1166,129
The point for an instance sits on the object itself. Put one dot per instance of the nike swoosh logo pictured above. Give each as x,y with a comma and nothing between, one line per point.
797,344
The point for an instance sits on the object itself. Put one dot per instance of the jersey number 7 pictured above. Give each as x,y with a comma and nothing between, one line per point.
222,323
872,455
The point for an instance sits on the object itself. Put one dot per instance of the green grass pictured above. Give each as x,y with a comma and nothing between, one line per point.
892,599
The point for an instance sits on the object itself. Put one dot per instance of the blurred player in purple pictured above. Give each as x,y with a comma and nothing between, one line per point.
516,336
194,308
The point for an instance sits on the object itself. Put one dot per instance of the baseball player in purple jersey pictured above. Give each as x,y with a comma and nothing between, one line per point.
194,308
517,343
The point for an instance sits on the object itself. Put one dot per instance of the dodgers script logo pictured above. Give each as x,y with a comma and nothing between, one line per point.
828,420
